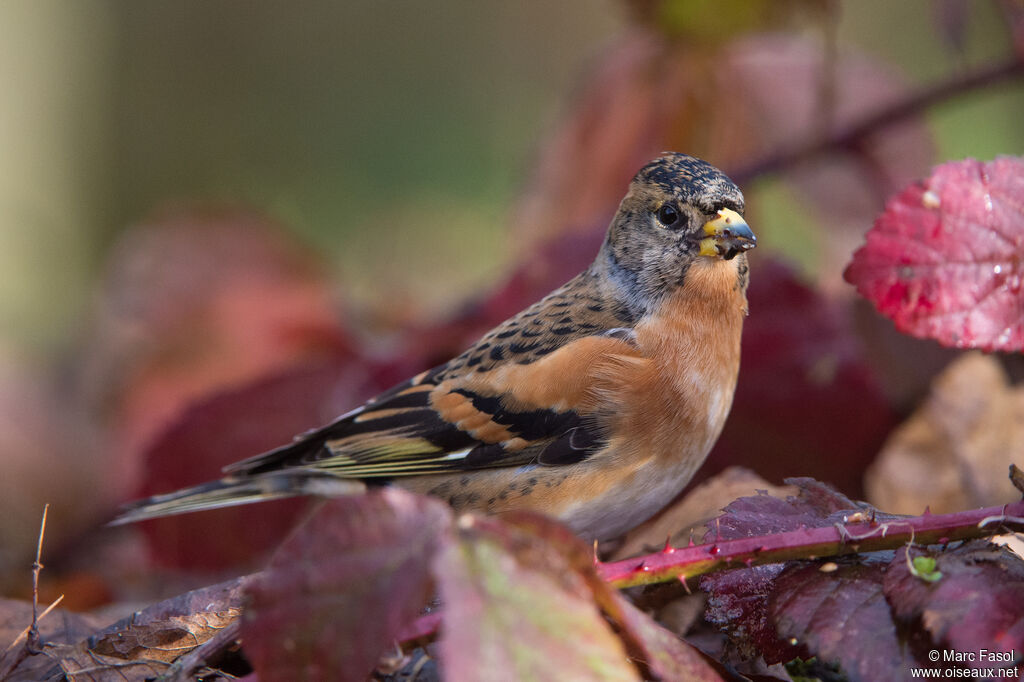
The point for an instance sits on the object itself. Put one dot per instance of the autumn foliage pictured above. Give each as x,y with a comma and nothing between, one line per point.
218,336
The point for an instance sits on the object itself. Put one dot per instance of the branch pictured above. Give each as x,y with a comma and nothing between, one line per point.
810,543
851,137
28,641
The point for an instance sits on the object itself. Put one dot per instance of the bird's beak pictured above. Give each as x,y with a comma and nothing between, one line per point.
727,235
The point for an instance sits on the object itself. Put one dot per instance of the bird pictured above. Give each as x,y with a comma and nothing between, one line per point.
594,405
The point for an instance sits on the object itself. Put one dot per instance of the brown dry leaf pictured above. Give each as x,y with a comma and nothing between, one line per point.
144,645
687,517
954,451
164,641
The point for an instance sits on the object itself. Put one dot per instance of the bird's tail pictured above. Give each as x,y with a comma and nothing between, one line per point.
232,491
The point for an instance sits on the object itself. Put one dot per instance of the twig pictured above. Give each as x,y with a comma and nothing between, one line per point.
806,543
12,656
851,137
4,670
32,643
687,562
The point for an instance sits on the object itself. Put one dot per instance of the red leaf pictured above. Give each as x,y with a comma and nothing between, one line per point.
841,617
195,302
816,506
945,259
338,591
978,603
515,609
225,428
739,601
738,604
523,601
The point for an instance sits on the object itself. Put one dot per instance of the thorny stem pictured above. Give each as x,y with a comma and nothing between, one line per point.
810,543
850,138
32,643
806,543
14,654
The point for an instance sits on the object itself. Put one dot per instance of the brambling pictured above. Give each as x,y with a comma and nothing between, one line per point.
595,405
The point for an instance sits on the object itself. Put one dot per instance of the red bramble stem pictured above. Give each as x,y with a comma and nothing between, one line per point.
811,543
682,563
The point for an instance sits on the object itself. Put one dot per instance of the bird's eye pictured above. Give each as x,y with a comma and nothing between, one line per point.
668,215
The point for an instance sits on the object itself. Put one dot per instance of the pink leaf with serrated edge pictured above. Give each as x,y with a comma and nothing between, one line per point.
341,587
945,259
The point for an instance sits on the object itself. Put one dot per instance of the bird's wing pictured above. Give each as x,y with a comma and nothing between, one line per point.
523,394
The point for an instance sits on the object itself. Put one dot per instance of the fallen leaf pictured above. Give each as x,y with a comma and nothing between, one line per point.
341,587
954,451
146,643
977,604
524,602
59,627
841,617
515,609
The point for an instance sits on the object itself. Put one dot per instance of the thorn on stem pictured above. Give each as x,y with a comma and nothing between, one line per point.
32,642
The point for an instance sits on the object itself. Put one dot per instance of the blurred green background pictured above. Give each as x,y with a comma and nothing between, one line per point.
393,136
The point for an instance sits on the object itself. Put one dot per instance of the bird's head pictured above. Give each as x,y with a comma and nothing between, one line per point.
678,211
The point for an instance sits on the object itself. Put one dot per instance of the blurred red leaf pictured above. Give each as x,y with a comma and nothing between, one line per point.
802,379
945,259
339,590
648,94
224,428
978,603
198,301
